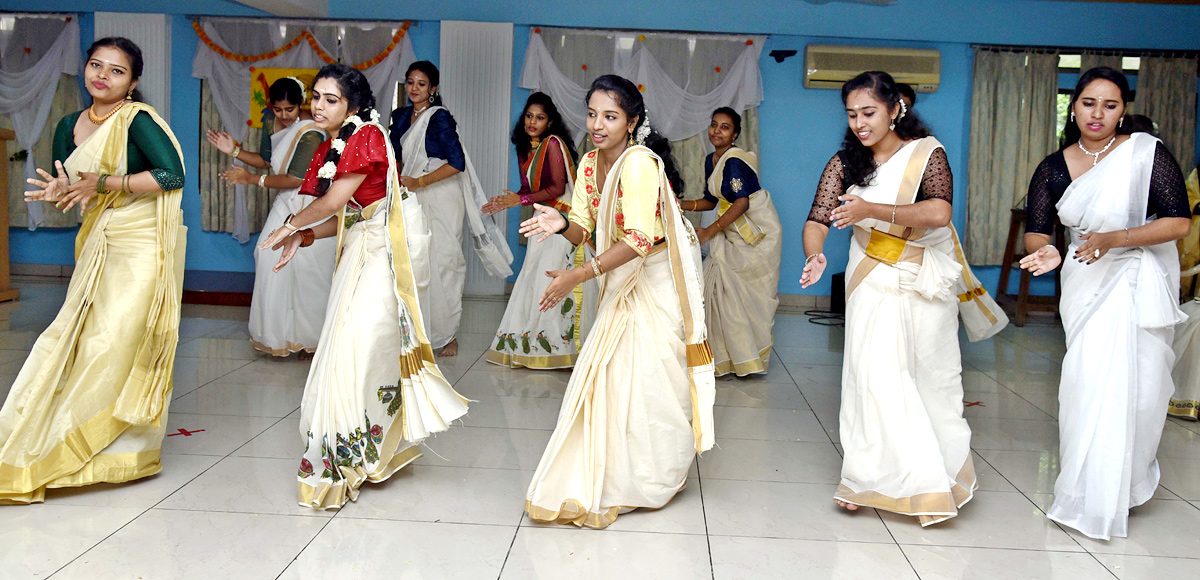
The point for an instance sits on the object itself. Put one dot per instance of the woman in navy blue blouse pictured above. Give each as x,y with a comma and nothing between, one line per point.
435,167
741,274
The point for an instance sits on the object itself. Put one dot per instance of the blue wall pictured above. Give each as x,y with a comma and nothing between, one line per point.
800,128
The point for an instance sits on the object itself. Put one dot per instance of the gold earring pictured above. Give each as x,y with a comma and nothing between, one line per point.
129,95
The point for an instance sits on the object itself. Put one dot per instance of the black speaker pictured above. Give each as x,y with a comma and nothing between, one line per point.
837,294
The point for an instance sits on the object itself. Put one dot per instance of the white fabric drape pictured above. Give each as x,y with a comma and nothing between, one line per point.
675,109
229,80
27,95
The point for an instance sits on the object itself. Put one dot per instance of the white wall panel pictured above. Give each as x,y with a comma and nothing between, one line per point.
476,70
152,33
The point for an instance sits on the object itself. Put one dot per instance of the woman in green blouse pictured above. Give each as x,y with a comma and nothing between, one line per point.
282,320
90,403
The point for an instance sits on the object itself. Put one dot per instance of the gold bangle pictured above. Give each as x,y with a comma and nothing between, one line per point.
421,182
237,150
595,269
1127,237
893,213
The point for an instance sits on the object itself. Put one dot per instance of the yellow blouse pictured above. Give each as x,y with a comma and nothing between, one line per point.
638,216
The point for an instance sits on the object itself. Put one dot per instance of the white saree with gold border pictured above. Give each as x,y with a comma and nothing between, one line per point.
638,406
1119,314
741,278
374,390
446,204
282,317
907,446
90,402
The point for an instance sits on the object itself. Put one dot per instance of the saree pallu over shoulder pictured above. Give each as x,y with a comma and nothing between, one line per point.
741,278
625,437
89,404
1119,315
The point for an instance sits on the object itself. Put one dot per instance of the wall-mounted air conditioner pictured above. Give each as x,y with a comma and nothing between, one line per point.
828,67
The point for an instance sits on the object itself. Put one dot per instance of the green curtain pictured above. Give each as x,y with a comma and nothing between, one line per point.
1166,92
1013,111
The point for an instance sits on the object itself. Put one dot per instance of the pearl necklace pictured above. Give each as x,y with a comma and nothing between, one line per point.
98,120
1096,156
417,112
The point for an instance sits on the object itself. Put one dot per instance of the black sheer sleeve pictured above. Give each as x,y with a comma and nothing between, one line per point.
1168,192
1050,179
831,186
937,182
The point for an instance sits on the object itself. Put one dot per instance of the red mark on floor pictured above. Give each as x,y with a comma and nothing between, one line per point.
968,403
185,433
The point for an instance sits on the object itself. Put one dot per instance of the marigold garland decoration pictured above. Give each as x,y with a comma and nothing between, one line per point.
304,36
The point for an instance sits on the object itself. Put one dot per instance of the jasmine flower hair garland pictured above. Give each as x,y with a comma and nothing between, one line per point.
349,127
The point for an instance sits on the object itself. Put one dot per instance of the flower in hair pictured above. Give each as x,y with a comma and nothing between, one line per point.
644,131
303,90
374,116
327,171
338,145
903,110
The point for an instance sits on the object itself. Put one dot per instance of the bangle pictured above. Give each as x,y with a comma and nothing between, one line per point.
603,270
893,213
125,184
307,237
421,182
1126,237
288,223
563,229
262,180
526,198
596,269
811,256
237,150
102,184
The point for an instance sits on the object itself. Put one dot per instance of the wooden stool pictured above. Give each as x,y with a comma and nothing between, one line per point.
1012,259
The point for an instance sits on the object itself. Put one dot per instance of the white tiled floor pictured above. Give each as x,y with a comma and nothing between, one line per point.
757,507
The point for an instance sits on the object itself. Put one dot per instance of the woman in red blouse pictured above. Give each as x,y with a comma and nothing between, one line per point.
529,337
374,391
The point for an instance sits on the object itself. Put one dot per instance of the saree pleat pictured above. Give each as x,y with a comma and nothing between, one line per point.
89,404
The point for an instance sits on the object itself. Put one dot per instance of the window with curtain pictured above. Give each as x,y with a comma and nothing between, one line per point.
696,63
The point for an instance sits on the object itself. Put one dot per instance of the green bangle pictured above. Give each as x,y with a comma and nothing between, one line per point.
101,184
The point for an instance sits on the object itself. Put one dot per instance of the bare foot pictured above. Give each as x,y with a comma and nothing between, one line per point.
848,506
450,349
304,355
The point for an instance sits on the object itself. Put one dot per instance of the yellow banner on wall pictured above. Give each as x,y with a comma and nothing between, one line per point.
260,85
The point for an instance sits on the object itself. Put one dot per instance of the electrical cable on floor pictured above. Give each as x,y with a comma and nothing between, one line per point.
825,317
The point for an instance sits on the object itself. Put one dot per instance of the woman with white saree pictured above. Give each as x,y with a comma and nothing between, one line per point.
529,337
374,391
907,446
741,274
1122,199
438,171
638,406
90,403
282,320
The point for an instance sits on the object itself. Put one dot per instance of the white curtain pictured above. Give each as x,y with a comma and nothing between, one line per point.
685,76
229,80
29,81
678,105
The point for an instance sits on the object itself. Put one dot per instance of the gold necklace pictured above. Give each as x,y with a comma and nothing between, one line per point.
98,120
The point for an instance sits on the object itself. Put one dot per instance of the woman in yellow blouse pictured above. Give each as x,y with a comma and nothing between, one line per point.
625,437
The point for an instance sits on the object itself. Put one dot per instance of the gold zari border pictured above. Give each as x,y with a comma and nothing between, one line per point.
1184,409
751,367
558,361
928,508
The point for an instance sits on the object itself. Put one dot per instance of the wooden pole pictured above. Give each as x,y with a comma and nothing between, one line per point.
7,292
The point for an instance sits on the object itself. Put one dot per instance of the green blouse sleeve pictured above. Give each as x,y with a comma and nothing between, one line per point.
264,135
64,139
150,142
303,155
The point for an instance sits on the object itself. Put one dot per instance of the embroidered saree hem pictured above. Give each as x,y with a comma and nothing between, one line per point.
1184,409
552,362
327,496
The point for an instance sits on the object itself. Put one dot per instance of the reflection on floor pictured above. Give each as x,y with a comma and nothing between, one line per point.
757,507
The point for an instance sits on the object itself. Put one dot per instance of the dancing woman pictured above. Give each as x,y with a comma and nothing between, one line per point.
374,391
741,274
282,320
437,170
90,402
625,437
529,337
907,446
1123,200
